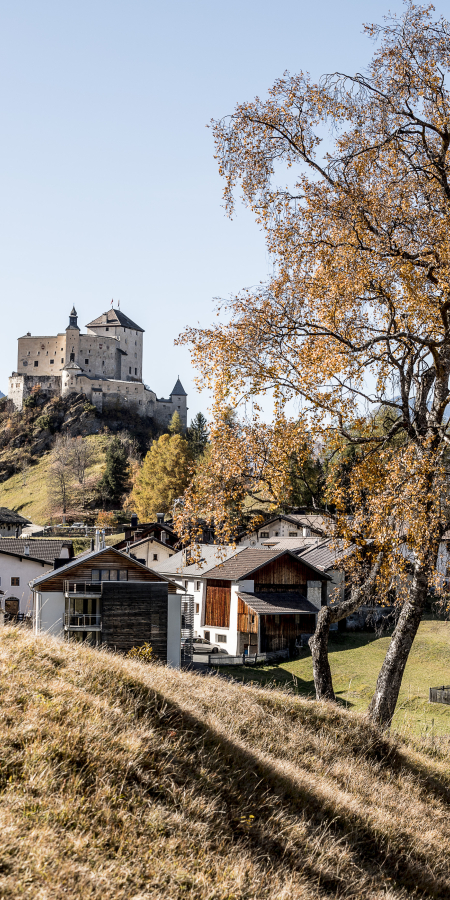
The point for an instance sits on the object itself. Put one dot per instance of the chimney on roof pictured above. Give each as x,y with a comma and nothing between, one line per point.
26,550
160,518
134,520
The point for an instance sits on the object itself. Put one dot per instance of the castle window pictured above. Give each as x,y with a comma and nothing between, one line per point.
107,329
62,359
28,353
135,371
24,363
129,370
86,362
100,346
36,363
72,357
52,362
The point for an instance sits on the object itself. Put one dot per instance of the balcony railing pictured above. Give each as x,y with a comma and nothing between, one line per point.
82,621
83,588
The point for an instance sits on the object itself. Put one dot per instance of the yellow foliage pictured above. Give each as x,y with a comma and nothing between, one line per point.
163,477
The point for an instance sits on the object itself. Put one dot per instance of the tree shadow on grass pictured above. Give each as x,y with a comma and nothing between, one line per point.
241,783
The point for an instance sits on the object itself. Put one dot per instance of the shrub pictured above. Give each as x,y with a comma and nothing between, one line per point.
143,653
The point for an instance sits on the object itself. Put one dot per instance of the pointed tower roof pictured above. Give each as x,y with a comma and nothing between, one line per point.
114,317
179,390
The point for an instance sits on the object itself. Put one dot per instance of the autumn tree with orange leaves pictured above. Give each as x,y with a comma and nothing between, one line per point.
356,316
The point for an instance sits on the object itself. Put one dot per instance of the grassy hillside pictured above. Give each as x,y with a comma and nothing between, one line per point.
355,661
27,493
121,780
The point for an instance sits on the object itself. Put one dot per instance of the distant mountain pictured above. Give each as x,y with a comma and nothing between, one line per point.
2,395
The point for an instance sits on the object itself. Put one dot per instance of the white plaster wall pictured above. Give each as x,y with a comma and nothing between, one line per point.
49,615
26,570
148,549
174,630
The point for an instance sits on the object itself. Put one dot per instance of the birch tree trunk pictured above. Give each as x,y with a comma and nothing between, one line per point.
384,700
323,681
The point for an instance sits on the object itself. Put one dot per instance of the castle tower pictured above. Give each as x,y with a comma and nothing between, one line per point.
72,338
179,401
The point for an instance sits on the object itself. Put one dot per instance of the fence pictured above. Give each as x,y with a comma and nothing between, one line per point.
440,695
220,659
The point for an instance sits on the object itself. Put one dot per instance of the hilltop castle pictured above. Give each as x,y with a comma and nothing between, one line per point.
105,364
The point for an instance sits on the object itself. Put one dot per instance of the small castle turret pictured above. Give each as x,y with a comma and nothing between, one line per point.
73,319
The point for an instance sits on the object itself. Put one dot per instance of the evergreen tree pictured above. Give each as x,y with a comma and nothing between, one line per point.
198,435
115,478
164,476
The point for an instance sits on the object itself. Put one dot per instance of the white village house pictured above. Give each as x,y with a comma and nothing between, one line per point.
22,560
250,600
106,597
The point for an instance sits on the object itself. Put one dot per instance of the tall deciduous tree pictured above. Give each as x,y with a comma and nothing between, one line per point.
357,314
164,476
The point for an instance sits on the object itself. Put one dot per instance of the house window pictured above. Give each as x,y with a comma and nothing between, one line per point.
292,534
107,329
15,581
264,534
197,608
104,574
221,638
277,620
197,585
36,363
62,360
207,635
123,574
253,620
113,575
109,575
297,619
86,362
277,533
155,556
52,361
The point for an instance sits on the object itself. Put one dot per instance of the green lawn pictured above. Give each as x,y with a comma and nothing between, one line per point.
355,661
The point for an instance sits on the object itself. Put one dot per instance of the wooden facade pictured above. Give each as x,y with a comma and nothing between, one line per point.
107,559
283,574
133,614
218,602
279,632
247,618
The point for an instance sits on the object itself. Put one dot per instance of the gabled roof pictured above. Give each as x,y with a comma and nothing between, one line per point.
268,604
211,556
92,554
328,554
12,518
179,390
250,559
114,317
315,521
38,549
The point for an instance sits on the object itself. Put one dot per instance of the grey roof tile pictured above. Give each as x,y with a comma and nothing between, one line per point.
280,603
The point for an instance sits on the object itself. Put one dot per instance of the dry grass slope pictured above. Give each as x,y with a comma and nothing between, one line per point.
121,780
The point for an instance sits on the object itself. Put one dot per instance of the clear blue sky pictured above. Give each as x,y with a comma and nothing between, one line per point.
109,188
